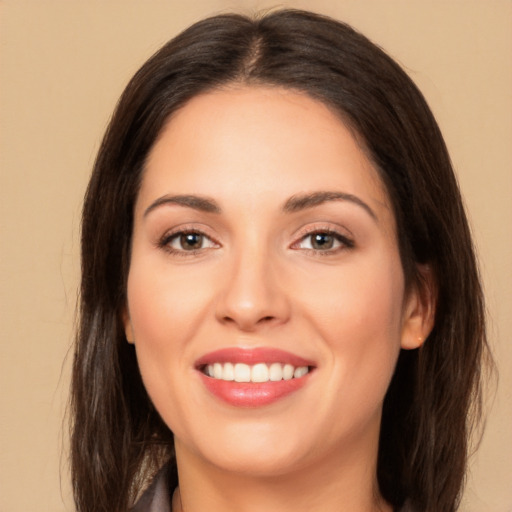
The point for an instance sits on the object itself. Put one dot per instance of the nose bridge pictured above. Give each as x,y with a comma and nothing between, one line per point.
251,293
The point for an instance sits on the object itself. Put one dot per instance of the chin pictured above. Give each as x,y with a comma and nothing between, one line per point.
259,464
252,454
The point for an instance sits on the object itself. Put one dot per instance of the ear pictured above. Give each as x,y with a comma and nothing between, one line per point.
419,309
128,329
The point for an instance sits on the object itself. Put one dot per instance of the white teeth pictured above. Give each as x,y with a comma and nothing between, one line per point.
288,371
217,371
260,372
300,372
242,372
276,372
228,372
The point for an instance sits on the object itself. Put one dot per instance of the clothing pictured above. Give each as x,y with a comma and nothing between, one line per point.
157,497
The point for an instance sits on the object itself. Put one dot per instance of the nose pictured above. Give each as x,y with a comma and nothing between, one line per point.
252,295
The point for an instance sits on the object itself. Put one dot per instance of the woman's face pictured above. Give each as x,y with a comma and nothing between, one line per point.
264,246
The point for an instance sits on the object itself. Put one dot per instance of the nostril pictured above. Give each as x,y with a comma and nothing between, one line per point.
266,319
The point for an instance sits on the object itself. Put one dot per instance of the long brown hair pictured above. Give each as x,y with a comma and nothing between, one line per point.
118,439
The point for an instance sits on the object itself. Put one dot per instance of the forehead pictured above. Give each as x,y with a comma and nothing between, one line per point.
258,141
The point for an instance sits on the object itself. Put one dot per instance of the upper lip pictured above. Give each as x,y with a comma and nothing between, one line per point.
252,356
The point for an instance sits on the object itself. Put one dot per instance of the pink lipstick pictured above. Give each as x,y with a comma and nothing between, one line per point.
253,377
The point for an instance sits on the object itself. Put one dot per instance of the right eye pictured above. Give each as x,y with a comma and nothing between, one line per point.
187,242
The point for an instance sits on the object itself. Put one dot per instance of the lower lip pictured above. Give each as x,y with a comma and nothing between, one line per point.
252,394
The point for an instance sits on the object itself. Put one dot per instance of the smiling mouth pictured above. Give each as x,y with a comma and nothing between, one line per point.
253,377
257,373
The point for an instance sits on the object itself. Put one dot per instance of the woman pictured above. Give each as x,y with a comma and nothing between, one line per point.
280,302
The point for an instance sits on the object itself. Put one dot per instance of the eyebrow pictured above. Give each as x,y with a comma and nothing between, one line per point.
293,204
203,204
301,202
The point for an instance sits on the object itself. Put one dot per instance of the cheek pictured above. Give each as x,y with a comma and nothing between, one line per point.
365,299
164,312
164,307
169,308
359,317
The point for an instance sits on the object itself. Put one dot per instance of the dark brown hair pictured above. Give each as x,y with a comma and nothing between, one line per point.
118,438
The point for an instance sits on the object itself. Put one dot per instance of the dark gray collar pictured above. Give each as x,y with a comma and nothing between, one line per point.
157,497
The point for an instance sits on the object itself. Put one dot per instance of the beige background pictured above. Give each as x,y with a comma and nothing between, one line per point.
64,64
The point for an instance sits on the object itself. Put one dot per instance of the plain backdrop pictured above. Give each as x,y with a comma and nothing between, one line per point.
64,64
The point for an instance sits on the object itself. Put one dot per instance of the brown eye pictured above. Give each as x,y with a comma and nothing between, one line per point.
322,241
191,241
187,242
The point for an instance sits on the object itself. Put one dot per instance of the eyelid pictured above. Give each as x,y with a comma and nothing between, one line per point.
171,234
346,240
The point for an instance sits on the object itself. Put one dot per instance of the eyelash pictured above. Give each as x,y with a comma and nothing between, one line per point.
168,238
344,241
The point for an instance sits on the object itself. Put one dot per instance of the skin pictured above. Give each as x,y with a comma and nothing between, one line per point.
255,281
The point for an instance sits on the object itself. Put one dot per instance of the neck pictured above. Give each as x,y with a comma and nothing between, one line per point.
351,486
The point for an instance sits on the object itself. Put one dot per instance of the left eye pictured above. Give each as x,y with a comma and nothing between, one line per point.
189,241
323,241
